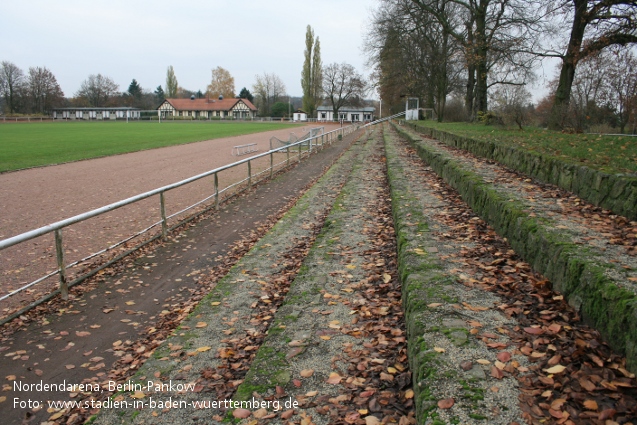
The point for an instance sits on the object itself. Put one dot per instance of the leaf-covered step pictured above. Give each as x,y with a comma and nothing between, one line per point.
337,346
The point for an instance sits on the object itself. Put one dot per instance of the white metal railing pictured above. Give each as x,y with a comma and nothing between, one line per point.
27,119
400,114
304,146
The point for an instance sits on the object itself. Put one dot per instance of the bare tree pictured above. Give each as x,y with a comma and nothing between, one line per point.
268,89
595,25
222,83
43,88
622,85
490,32
513,104
96,90
11,84
342,85
172,86
413,54
603,91
588,93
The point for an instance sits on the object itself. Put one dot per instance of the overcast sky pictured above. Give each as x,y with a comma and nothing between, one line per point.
140,39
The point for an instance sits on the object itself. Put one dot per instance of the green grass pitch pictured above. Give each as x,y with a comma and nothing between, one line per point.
36,144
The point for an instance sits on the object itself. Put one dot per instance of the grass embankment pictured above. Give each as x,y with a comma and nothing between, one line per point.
37,144
612,154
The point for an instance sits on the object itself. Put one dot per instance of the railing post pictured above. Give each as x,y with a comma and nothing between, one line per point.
300,152
216,191
59,249
271,165
288,152
249,173
162,207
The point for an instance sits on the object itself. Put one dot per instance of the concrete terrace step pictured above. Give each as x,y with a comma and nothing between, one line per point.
337,345
617,192
441,313
226,317
602,290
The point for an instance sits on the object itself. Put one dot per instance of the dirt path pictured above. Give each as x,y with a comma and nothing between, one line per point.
35,197
141,299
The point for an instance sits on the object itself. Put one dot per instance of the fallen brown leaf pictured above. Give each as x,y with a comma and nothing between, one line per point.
446,403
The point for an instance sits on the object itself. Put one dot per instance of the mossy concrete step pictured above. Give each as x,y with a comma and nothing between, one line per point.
224,314
316,338
587,283
437,317
616,192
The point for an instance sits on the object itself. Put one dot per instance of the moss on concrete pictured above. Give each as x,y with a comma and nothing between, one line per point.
616,192
582,278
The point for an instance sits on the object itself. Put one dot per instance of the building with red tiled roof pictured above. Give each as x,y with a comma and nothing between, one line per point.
208,108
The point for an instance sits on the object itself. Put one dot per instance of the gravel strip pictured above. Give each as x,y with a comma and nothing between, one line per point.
443,315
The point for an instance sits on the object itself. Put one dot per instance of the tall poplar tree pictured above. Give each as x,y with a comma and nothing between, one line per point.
172,87
311,77
317,76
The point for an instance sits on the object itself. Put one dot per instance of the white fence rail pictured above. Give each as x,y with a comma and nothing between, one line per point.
303,147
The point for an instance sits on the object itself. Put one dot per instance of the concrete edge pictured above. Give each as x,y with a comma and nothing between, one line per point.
412,268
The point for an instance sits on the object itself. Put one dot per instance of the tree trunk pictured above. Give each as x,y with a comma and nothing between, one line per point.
442,103
335,109
471,72
443,78
480,52
481,84
469,96
569,63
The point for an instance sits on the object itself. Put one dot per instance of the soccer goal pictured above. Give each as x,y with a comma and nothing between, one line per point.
275,142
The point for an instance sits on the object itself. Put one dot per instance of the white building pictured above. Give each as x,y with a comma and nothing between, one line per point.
114,113
208,108
299,115
346,113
